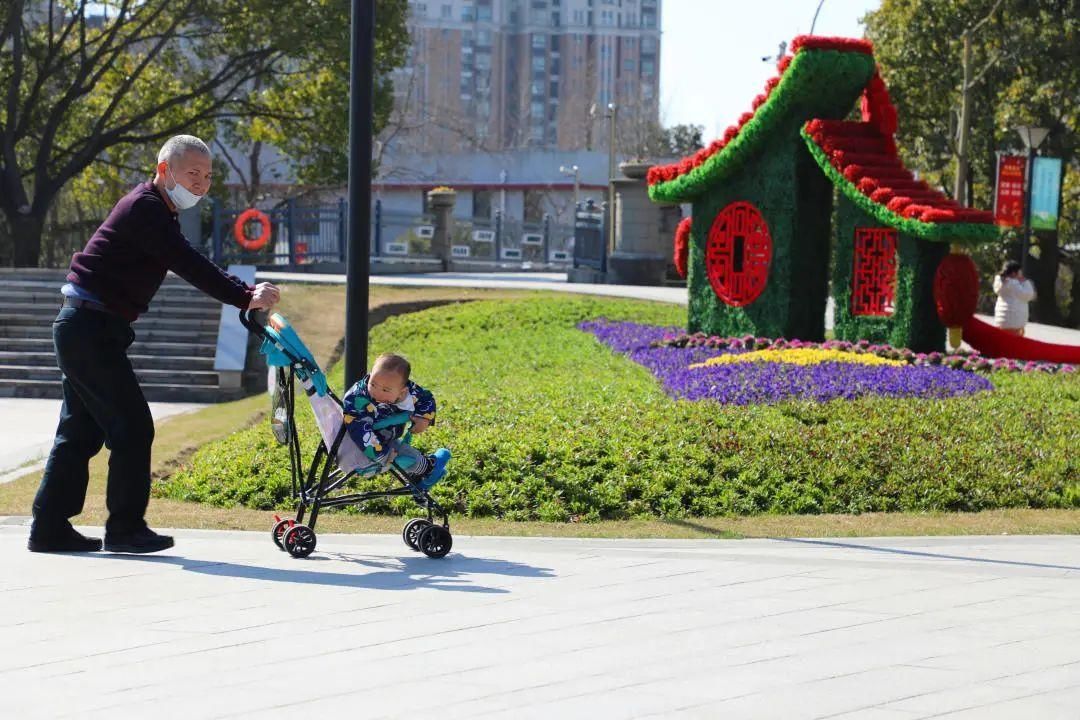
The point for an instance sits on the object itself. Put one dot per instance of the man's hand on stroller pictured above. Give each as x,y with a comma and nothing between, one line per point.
265,296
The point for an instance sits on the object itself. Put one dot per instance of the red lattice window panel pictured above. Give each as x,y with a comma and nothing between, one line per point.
738,253
873,280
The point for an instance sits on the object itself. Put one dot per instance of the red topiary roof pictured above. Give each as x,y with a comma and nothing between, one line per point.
664,173
867,158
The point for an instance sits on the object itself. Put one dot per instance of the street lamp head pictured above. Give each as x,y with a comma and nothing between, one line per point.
611,106
1032,136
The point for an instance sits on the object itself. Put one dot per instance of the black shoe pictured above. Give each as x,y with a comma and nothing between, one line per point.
140,541
67,539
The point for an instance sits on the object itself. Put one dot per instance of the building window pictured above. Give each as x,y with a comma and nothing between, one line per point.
534,206
648,68
468,14
539,42
481,204
447,12
483,13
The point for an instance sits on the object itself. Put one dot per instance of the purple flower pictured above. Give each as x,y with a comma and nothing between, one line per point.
752,383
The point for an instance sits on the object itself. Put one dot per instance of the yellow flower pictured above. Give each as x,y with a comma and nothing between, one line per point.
798,356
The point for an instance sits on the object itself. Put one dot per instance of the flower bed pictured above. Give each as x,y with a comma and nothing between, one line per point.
671,357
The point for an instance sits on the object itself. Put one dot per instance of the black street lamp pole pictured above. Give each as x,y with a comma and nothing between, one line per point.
361,98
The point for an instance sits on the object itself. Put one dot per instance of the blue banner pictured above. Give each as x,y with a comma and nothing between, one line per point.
1045,192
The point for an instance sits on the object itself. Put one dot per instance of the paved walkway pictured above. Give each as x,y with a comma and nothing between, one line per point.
28,425
227,626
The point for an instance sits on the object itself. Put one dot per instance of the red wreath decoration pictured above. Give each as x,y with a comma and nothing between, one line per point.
738,254
956,289
240,229
682,246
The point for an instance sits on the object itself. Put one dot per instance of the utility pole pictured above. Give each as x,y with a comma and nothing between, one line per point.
361,99
612,113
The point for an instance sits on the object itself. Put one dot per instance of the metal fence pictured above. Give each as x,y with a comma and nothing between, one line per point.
303,234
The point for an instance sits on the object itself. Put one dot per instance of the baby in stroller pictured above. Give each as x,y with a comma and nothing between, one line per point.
387,391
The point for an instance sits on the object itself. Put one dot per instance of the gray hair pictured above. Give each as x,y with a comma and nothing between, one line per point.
179,146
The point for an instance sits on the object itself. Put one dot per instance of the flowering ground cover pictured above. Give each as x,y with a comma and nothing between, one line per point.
548,423
739,375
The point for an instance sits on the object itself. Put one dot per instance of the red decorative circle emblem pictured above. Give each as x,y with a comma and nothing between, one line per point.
738,254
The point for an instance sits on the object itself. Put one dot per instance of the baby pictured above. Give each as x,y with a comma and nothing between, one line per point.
387,391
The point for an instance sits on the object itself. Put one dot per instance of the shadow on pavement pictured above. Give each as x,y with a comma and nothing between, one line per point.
454,572
923,553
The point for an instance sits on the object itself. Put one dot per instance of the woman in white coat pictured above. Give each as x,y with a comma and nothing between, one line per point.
1014,292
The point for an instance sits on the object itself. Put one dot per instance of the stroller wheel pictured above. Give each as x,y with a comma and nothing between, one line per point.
412,531
435,541
299,541
278,532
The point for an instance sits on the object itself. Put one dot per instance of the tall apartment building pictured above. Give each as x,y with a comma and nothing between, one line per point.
507,74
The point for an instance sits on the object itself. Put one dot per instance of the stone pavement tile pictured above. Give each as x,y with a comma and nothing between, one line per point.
979,694
1059,649
838,695
1061,677
875,713
1036,707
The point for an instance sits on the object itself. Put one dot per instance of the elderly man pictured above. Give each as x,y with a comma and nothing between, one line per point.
110,283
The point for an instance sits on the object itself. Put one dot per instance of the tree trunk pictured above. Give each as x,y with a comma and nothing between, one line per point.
26,232
1074,306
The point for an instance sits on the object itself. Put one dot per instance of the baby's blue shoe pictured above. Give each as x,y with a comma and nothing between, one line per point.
441,457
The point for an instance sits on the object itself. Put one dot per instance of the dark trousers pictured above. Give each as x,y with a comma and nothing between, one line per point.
103,404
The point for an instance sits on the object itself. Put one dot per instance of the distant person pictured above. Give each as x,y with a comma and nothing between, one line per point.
1014,292
110,283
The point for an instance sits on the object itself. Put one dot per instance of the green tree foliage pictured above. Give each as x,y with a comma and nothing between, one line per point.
89,89
1024,63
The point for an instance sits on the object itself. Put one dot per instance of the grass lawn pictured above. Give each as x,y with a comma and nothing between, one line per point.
554,434
541,416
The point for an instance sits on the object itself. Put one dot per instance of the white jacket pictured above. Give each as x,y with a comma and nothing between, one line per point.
1011,309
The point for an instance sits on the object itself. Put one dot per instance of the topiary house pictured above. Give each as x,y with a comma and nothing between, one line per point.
757,249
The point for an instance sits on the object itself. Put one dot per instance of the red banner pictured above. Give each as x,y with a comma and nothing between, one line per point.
1009,198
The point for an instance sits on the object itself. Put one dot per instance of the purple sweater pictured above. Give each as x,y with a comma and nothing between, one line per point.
126,260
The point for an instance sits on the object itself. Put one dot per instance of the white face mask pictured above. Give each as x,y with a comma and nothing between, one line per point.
181,197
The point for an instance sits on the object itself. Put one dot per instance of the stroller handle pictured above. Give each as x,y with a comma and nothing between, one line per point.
247,319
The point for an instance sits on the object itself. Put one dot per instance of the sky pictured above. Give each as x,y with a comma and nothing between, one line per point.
711,50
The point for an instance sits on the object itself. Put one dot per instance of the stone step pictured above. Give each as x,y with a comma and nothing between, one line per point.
156,349
140,362
142,334
175,287
178,313
161,377
51,298
153,392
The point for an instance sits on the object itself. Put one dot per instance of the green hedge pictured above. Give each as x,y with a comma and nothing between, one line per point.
546,423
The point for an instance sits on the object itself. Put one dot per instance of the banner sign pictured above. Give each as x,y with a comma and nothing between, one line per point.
1045,193
1009,198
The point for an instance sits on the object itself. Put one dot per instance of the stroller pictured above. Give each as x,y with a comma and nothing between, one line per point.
338,458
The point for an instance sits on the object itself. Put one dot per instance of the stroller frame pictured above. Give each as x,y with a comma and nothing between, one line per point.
313,488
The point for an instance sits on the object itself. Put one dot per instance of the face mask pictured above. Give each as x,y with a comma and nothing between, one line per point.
181,197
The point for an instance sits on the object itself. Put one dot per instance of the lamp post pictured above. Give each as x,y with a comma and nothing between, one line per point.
572,170
361,99
1033,137
612,114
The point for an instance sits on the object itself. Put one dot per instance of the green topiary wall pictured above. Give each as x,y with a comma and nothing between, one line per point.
914,323
793,302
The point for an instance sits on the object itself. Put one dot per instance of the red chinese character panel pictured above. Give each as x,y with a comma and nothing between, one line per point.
873,281
738,253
